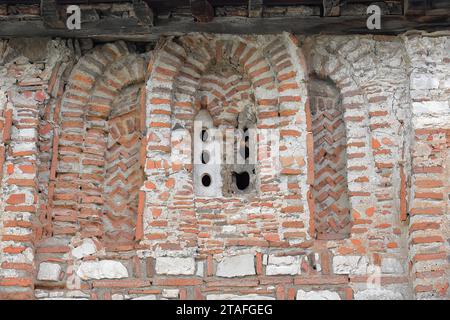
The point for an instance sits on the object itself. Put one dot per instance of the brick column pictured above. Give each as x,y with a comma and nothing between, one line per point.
19,204
428,236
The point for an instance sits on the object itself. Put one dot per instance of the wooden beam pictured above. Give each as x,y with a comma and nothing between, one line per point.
438,7
415,7
131,29
202,10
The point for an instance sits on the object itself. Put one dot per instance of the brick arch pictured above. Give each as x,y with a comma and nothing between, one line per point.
357,127
180,67
182,62
374,177
98,175
225,94
206,52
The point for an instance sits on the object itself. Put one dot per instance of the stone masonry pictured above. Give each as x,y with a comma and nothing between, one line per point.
98,199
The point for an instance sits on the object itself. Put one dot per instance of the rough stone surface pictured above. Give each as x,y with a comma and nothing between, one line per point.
317,295
85,249
378,294
174,266
350,264
283,265
170,293
105,269
236,266
49,271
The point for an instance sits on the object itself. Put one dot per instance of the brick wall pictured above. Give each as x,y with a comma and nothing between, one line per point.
428,235
98,199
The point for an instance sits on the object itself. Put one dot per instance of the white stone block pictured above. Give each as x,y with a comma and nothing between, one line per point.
378,294
424,82
350,265
430,107
170,293
85,249
283,265
49,271
236,266
317,295
105,269
272,270
175,266
286,260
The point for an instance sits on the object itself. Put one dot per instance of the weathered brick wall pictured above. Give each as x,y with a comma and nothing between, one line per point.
98,201
429,235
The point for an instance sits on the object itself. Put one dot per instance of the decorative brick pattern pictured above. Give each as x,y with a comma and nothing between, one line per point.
98,201
332,209
98,173
231,72
124,173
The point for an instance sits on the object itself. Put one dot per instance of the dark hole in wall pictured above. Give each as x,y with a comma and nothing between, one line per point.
242,180
206,180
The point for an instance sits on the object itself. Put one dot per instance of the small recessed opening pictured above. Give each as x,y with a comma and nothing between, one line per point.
204,134
206,180
242,180
205,157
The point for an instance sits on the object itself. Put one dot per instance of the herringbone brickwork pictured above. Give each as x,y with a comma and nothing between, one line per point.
124,174
330,159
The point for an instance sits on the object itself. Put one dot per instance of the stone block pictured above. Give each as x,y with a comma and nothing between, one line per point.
350,265
236,266
175,266
287,265
317,295
170,293
105,269
378,294
49,271
85,249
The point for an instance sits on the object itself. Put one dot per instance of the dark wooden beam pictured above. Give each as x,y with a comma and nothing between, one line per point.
438,7
131,29
415,7
202,10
